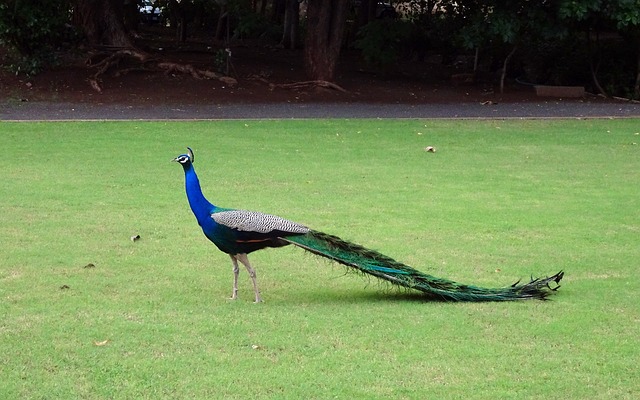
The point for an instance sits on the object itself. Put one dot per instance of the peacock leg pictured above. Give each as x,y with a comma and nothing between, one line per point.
236,272
252,273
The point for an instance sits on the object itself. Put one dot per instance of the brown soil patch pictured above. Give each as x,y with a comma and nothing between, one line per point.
255,66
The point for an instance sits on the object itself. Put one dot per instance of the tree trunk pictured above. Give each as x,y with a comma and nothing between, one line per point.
504,67
223,24
278,10
291,23
593,68
325,27
366,12
636,87
103,22
263,7
181,13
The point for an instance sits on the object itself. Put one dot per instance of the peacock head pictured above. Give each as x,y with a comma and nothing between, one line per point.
185,159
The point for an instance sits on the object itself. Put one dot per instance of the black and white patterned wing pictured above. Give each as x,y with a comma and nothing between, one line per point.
253,221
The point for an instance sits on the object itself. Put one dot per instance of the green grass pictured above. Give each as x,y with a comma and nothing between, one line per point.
499,200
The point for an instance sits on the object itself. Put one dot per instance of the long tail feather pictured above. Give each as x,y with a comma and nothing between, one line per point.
373,263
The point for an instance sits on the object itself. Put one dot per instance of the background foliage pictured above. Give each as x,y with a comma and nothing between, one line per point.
34,30
604,35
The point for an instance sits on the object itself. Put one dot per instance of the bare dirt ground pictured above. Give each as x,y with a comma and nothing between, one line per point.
414,89
255,66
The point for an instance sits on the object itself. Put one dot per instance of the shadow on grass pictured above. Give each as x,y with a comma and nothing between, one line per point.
360,296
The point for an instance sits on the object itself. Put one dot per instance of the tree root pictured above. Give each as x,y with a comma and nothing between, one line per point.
306,85
298,85
112,59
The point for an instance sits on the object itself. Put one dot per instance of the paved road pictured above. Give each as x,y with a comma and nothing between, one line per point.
31,111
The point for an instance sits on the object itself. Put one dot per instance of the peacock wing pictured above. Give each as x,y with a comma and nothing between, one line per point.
257,222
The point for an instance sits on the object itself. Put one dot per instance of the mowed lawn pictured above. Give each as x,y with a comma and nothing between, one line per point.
85,312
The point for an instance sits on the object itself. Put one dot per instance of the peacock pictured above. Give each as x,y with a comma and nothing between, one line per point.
240,232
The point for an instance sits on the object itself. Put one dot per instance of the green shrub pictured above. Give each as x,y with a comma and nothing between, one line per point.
32,30
382,41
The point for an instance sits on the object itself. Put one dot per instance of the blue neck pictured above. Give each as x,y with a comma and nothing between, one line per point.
200,206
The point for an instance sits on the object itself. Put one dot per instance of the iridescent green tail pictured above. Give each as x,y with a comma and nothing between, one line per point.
373,263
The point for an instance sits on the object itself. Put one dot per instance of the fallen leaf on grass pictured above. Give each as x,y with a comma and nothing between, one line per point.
102,343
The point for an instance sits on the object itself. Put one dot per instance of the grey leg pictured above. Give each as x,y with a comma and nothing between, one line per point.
236,272
252,273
